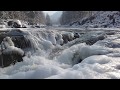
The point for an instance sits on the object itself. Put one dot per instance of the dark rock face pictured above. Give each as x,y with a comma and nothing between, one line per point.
9,59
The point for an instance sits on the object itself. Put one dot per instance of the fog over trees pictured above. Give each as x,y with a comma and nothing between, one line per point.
48,20
70,16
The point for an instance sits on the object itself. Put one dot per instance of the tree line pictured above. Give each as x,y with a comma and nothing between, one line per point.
29,16
34,17
71,16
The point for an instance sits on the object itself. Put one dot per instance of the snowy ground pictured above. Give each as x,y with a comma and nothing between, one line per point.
52,61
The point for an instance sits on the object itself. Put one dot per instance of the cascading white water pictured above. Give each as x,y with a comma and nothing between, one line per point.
52,60
43,41
48,43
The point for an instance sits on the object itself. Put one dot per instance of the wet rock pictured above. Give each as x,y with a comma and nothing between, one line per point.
96,26
67,37
110,33
18,37
76,35
9,59
93,40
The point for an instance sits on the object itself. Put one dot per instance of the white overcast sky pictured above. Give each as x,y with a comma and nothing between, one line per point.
50,12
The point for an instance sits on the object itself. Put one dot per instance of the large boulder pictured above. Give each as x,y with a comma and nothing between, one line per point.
9,59
19,38
9,54
14,24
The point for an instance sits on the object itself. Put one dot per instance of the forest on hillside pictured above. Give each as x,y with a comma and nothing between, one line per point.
29,16
70,16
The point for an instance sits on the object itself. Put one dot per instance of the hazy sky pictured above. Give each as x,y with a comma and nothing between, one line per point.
50,12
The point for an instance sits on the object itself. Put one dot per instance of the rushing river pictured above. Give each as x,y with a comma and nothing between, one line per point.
94,54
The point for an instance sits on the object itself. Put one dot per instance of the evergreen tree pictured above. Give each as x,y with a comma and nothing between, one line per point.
48,21
71,16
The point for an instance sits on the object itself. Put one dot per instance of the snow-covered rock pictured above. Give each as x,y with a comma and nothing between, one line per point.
2,26
14,23
9,53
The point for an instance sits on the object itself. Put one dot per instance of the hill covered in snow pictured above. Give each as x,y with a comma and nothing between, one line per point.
100,19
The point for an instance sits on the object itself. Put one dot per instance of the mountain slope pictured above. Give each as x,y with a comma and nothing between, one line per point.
100,19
